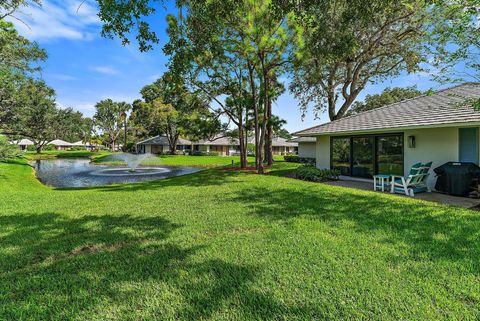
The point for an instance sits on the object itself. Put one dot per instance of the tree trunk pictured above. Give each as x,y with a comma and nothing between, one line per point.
243,146
269,133
38,148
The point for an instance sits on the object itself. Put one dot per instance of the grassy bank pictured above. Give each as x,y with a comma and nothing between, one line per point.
63,154
181,160
231,246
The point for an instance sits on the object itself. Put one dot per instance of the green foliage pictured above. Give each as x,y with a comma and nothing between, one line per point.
200,153
110,117
16,52
341,46
298,159
387,97
7,149
313,174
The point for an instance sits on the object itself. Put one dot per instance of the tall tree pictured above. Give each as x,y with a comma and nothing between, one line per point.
34,114
110,118
171,109
387,97
8,7
343,45
234,49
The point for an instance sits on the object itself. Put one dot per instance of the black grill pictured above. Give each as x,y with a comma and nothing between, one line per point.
456,178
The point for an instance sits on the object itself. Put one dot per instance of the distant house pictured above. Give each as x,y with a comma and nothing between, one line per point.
306,146
60,144
24,143
159,145
283,146
87,145
436,128
223,146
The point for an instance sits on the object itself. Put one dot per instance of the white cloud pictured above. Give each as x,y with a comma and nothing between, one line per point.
64,77
56,19
105,70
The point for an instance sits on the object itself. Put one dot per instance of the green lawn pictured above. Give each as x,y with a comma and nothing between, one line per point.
225,245
180,160
63,154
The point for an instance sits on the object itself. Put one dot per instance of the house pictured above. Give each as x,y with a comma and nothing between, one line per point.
159,145
60,144
24,143
306,146
439,127
282,146
224,146
87,145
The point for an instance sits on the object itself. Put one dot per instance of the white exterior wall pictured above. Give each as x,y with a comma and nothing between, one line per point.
437,145
322,151
307,149
148,149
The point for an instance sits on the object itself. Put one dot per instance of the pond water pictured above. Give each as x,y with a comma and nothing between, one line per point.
81,172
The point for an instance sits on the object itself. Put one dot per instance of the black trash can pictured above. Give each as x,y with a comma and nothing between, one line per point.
456,178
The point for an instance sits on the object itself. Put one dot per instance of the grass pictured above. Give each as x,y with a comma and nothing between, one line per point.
180,160
231,246
63,154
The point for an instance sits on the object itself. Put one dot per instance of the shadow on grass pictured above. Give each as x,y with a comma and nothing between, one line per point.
121,267
431,232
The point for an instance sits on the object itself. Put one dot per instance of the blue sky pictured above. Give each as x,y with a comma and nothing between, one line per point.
84,68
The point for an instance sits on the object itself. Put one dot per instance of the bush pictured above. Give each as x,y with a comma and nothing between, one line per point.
31,148
199,153
8,150
313,174
298,159
78,148
49,147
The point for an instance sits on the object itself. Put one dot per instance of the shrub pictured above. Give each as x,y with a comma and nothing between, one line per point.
8,150
298,159
313,174
199,153
78,148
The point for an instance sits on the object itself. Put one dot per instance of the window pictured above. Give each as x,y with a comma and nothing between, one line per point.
390,155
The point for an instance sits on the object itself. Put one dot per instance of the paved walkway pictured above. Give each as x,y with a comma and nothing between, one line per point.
464,202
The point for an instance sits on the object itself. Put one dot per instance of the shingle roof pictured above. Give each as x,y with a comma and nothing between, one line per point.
279,141
303,140
162,140
441,108
218,141
59,142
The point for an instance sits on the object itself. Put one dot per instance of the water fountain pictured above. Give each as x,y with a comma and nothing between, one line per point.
132,160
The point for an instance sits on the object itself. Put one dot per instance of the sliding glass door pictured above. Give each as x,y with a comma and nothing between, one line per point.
365,156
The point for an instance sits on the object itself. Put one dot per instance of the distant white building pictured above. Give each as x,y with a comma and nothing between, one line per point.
60,144
306,146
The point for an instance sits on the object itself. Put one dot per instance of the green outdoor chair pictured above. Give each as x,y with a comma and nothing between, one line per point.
415,182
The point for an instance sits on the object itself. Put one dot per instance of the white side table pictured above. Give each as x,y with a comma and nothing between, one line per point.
380,181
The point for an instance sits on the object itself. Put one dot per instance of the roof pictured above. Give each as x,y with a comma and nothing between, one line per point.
442,108
162,140
218,141
279,141
303,140
80,143
24,142
59,142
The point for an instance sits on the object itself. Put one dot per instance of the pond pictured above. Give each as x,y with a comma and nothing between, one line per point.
81,173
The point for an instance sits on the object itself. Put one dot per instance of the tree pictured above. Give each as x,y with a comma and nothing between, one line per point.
233,50
8,7
110,118
16,52
387,97
455,43
171,109
34,113
341,46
